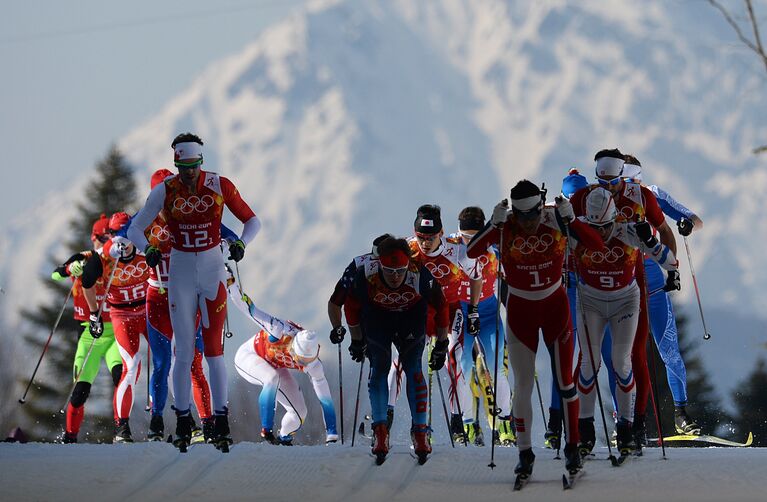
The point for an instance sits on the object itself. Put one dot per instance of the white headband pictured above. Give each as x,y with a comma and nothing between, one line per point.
527,203
609,167
632,171
185,151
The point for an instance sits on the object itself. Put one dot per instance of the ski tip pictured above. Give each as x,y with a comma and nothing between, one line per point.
750,439
613,460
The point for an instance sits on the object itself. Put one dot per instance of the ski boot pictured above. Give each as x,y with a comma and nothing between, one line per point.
639,431
69,438
552,438
221,433
625,440
506,436
380,442
683,423
331,438
183,431
421,447
474,432
588,436
156,428
286,440
208,429
122,432
573,461
524,468
197,433
389,418
268,436
456,428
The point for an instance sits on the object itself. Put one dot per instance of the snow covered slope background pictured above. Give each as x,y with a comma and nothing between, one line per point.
337,123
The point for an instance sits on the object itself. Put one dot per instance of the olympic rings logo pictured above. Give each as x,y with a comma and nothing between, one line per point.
612,255
533,243
483,260
124,274
193,203
626,213
438,271
282,359
394,298
160,233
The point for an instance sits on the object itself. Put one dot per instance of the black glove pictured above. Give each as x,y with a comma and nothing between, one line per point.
438,355
95,325
644,232
672,281
357,350
152,255
236,250
337,334
685,227
473,317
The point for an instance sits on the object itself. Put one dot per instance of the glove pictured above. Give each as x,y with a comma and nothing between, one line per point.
357,350
75,269
152,255
499,213
473,327
236,250
95,325
119,246
685,227
337,335
644,232
438,355
672,281
565,209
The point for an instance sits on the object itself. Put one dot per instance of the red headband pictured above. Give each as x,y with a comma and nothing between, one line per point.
396,259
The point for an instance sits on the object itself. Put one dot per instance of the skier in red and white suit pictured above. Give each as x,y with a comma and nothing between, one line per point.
193,203
633,202
126,297
532,254
446,259
608,293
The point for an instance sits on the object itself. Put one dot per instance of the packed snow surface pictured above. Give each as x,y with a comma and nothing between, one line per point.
157,471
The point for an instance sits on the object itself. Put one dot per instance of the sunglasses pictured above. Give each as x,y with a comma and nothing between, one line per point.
601,226
103,238
394,270
466,235
610,182
188,165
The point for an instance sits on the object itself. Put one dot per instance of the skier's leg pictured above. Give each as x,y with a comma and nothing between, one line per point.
160,333
213,300
460,393
591,326
182,297
639,351
607,357
128,327
379,353
322,390
623,325
254,369
200,388
290,397
394,378
417,390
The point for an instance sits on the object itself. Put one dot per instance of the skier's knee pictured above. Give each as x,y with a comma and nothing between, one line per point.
117,372
80,394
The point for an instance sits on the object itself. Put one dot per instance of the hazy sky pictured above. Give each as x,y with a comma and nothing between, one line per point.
77,75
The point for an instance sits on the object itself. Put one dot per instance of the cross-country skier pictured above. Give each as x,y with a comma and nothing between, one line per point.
608,294
104,347
387,305
160,333
194,202
126,297
633,203
532,248
267,359
470,221
662,319
446,259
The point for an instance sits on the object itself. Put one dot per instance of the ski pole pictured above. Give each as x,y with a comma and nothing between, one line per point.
444,408
431,377
160,289
90,349
357,402
706,334
47,343
491,465
540,399
653,379
341,391
148,406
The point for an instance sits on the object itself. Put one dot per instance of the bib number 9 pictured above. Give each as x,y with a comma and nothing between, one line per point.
607,281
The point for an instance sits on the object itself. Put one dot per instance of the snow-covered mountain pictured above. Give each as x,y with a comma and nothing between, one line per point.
338,122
